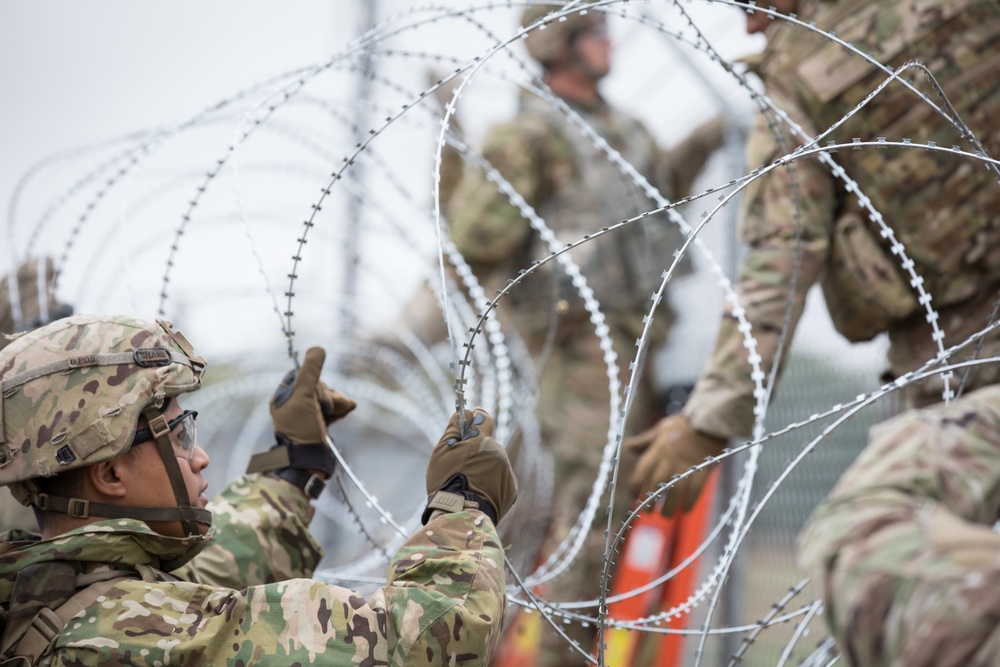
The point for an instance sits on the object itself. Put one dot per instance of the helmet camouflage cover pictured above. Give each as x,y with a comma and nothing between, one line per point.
549,42
73,391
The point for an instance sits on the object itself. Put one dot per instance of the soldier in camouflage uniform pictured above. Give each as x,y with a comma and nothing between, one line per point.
803,226
26,301
574,187
904,549
126,571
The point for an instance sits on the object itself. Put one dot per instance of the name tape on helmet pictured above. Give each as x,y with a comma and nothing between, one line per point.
149,357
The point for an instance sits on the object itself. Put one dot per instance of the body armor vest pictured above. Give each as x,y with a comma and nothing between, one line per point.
623,267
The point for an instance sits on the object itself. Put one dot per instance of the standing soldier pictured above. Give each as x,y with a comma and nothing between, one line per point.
27,300
576,190
803,225
94,438
904,549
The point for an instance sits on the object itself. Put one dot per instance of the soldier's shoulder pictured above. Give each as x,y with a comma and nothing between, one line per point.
877,32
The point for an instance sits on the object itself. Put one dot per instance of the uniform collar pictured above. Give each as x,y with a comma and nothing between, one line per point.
123,542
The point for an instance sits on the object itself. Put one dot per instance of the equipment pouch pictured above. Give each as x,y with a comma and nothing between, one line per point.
864,289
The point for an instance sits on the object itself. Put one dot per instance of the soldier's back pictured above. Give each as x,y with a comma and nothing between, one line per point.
942,206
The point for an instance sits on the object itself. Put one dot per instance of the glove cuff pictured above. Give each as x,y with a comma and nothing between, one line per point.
317,456
452,496
311,484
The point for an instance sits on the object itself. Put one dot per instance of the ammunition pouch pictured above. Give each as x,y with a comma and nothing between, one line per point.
864,288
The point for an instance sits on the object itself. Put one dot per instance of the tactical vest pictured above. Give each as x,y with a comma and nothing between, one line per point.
945,209
624,267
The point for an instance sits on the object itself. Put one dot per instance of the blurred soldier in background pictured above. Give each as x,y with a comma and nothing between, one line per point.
95,440
804,226
27,301
904,549
574,187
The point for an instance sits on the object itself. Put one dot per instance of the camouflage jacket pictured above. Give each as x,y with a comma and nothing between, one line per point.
239,601
801,224
576,190
903,549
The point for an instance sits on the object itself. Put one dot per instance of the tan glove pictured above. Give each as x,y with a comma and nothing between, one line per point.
670,448
470,466
302,406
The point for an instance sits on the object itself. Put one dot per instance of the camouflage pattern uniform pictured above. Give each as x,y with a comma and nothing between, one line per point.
943,208
235,596
903,548
575,189
243,600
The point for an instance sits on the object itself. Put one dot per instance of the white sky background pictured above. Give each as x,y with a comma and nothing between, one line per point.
72,74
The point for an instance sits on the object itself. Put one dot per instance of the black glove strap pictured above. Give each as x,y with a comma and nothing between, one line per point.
446,499
317,456
311,484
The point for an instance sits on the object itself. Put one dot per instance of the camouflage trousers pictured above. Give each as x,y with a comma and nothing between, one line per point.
573,411
919,591
911,345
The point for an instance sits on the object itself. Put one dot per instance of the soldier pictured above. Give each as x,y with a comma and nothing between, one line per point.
27,300
577,190
95,439
904,549
803,226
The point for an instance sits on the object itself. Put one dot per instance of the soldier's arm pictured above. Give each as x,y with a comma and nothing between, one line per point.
443,604
446,592
903,548
261,535
678,167
787,223
485,227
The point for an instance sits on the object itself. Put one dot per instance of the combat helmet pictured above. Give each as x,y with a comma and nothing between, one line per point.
554,41
73,393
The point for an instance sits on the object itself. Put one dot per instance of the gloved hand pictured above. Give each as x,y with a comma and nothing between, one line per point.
471,464
670,448
302,406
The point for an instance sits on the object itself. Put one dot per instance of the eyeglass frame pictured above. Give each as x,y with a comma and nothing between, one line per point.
146,434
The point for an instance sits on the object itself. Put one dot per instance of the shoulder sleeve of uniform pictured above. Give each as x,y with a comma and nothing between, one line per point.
261,535
787,224
903,548
485,226
446,592
949,454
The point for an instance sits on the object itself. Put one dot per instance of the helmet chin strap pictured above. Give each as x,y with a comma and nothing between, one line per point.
188,516
81,508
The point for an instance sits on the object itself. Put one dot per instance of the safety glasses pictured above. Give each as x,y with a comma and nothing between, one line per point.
186,436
